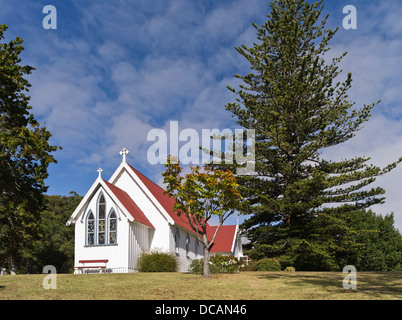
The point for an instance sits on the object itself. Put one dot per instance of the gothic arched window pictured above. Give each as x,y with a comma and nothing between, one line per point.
187,245
177,241
90,229
112,227
101,219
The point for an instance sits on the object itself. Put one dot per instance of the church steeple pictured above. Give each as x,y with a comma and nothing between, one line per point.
124,152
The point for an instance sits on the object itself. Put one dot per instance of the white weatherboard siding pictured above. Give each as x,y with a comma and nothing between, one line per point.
139,239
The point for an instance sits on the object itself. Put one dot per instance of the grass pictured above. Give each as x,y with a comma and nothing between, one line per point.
180,286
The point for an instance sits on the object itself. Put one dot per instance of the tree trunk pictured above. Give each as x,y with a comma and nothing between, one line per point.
207,274
13,269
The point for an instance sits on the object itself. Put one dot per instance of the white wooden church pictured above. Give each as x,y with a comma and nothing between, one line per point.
118,219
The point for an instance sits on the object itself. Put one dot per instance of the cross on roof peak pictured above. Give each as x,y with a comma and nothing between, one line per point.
100,170
124,152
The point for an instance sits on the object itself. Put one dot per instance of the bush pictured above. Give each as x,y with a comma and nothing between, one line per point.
226,263
197,266
249,267
217,264
290,269
267,264
155,261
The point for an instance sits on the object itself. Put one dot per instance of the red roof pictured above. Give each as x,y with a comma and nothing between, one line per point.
165,200
129,204
224,238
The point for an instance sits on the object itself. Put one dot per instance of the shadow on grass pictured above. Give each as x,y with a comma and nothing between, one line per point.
375,285
381,283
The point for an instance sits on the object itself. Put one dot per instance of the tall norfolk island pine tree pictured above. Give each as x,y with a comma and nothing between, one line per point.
299,202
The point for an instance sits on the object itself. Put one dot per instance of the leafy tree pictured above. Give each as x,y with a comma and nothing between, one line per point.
25,155
199,196
56,244
382,249
299,201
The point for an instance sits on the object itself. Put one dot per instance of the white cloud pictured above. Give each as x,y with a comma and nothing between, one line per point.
381,140
387,17
126,130
91,159
111,52
374,59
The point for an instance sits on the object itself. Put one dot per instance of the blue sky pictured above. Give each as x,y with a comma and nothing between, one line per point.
114,70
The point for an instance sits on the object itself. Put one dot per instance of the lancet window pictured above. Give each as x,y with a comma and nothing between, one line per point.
101,220
90,229
112,227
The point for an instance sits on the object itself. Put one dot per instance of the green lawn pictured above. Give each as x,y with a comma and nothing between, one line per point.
237,286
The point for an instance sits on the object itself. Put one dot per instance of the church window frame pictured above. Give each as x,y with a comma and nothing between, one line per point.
112,227
101,219
90,229
177,242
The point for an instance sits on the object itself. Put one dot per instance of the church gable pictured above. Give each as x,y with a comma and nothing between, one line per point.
100,220
142,193
136,213
164,200
121,200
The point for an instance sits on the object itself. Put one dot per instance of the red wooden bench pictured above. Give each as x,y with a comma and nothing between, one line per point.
91,266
